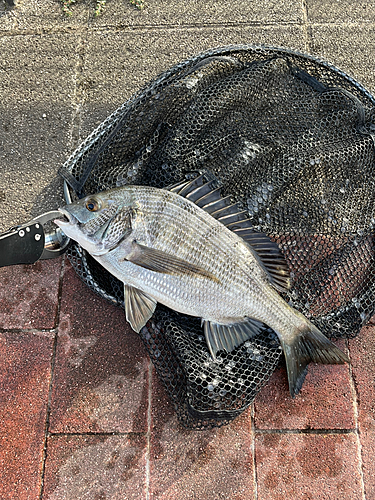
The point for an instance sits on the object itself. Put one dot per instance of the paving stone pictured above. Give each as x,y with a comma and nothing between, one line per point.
37,87
134,58
335,11
191,12
349,48
43,15
362,353
204,465
101,372
308,467
325,400
96,468
29,295
6,16
24,384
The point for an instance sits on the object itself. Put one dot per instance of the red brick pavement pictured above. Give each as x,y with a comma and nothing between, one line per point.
83,415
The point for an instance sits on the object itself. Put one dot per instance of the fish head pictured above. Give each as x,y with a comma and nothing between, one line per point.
98,222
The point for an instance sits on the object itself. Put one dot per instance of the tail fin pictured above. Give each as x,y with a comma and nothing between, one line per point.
310,345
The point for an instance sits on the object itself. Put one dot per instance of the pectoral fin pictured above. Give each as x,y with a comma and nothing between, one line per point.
162,262
139,307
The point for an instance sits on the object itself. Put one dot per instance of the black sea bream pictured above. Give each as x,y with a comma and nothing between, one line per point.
193,251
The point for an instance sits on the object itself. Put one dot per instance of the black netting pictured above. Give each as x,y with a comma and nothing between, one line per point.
292,140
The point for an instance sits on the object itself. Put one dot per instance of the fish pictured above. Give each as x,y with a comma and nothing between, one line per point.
195,251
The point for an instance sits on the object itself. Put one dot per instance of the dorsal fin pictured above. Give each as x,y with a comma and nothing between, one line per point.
186,187
201,191
270,255
207,196
218,204
175,188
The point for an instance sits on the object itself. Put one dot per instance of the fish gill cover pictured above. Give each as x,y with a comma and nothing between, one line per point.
292,140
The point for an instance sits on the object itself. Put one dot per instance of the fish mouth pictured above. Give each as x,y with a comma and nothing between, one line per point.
67,219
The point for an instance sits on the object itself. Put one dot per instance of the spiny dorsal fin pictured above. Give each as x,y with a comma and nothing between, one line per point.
186,187
215,206
201,191
270,256
175,188
207,196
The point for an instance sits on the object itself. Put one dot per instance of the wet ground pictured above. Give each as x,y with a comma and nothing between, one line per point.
82,413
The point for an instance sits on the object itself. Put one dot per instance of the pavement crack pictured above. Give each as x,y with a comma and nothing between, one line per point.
80,90
82,31
306,26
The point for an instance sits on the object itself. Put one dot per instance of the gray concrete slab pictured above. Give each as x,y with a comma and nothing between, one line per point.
340,11
37,95
41,15
86,67
192,12
350,48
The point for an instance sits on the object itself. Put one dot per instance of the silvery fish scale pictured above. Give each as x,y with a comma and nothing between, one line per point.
176,226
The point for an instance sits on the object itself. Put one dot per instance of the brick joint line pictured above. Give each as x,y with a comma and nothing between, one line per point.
34,331
253,449
306,431
149,425
354,392
52,375
92,433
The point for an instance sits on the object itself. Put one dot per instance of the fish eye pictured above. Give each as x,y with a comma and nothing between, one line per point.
92,205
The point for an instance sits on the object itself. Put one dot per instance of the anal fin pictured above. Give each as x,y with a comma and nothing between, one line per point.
227,337
139,307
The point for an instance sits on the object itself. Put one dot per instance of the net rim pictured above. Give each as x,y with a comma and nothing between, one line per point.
111,121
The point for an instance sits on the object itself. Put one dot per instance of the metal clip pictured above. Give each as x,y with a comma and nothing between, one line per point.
55,241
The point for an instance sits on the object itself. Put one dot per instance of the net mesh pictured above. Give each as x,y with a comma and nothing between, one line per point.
291,139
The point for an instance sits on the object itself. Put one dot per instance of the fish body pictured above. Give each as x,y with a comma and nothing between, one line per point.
193,251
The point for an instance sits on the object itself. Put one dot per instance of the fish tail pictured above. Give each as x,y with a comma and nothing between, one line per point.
308,345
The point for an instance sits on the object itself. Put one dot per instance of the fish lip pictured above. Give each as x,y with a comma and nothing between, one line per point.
71,219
